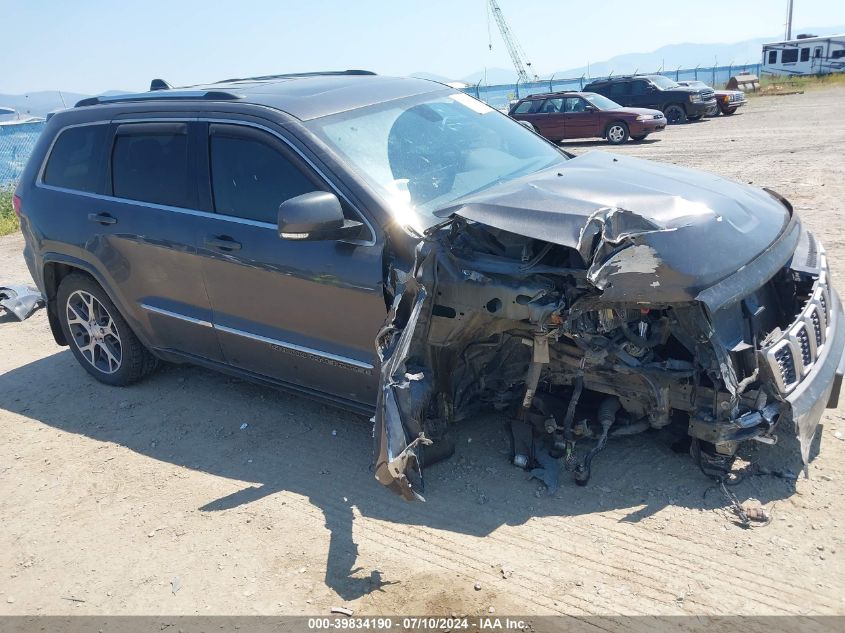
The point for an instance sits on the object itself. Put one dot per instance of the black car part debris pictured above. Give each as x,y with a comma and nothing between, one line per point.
20,300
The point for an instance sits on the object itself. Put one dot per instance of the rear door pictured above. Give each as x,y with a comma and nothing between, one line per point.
302,312
549,119
578,120
143,235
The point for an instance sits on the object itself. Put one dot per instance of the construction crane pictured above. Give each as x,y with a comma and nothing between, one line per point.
512,44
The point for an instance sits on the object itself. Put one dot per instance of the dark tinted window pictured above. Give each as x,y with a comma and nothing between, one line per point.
789,55
773,57
805,54
250,179
152,167
639,87
838,54
618,89
524,107
74,162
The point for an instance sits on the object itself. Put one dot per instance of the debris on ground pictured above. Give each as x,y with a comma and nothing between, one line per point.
175,585
244,426
343,611
20,300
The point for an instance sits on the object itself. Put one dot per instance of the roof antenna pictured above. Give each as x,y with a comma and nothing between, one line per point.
159,84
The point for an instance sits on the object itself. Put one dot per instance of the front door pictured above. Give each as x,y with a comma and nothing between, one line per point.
302,312
579,120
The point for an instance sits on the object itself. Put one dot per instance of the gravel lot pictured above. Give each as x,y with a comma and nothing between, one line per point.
152,500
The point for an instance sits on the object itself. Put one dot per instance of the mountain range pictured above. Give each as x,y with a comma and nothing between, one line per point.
670,57
666,57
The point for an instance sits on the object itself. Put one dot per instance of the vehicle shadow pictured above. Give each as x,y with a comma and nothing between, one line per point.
192,418
602,143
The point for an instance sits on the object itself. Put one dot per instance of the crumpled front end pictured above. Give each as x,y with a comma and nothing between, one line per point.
599,337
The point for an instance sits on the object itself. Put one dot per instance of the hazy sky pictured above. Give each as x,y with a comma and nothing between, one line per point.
93,45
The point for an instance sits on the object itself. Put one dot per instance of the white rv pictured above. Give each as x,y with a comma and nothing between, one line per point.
805,55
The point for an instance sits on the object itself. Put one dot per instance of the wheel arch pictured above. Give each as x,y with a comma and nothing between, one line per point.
57,267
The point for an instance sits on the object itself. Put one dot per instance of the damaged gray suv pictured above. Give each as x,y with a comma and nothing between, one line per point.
399,248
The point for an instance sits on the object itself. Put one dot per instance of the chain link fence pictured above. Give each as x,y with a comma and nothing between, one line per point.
500,96
17,138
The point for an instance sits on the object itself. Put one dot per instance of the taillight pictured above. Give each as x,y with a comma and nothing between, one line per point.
16,205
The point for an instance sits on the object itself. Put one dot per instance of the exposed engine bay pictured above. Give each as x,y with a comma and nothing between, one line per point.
581,341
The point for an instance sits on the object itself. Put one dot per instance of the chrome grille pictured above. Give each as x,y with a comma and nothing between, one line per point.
794,353
786,365
804,342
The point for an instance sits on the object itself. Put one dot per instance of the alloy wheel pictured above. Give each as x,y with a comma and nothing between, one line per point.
616,134
94,331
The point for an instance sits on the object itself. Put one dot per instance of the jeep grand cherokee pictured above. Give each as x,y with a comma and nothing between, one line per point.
395,246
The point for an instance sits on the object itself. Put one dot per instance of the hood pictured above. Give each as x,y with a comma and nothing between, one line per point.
688,229
635,111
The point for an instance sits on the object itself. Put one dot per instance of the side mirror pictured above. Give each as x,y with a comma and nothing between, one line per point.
590,108
315,216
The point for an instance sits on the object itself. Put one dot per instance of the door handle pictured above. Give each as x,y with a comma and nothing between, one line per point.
102,218
223,243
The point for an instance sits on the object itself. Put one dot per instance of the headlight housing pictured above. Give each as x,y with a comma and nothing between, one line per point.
645,117
695,98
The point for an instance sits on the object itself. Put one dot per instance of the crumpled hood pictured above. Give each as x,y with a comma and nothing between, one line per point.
683,228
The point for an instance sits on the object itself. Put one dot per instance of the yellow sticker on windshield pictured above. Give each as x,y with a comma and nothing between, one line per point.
473,104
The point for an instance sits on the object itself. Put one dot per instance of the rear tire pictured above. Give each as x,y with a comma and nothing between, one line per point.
675,114
616,133
98,335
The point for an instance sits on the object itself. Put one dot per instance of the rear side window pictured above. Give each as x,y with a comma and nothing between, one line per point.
74,162
805,54
524,107
150,164
773,57
250,178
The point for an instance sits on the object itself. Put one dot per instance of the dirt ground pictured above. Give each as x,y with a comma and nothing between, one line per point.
151,499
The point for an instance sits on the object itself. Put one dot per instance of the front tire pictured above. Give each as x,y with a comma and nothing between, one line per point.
617,133
98,335
675,114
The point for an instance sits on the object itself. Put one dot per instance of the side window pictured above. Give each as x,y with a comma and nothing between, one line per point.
74,162
574,104
817,52
805,54
773,57
551,106
639,88
250,178
524,107
619,89
838,54
789,56
150,163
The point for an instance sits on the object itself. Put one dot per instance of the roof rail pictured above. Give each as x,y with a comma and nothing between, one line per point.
316,73
158,95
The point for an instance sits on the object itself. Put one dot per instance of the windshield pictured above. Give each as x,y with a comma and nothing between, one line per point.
424,153
602,103
694,84
664,83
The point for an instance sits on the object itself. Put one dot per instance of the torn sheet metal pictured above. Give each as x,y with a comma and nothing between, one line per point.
20,300
406,386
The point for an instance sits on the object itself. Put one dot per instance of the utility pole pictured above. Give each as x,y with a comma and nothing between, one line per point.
788,19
